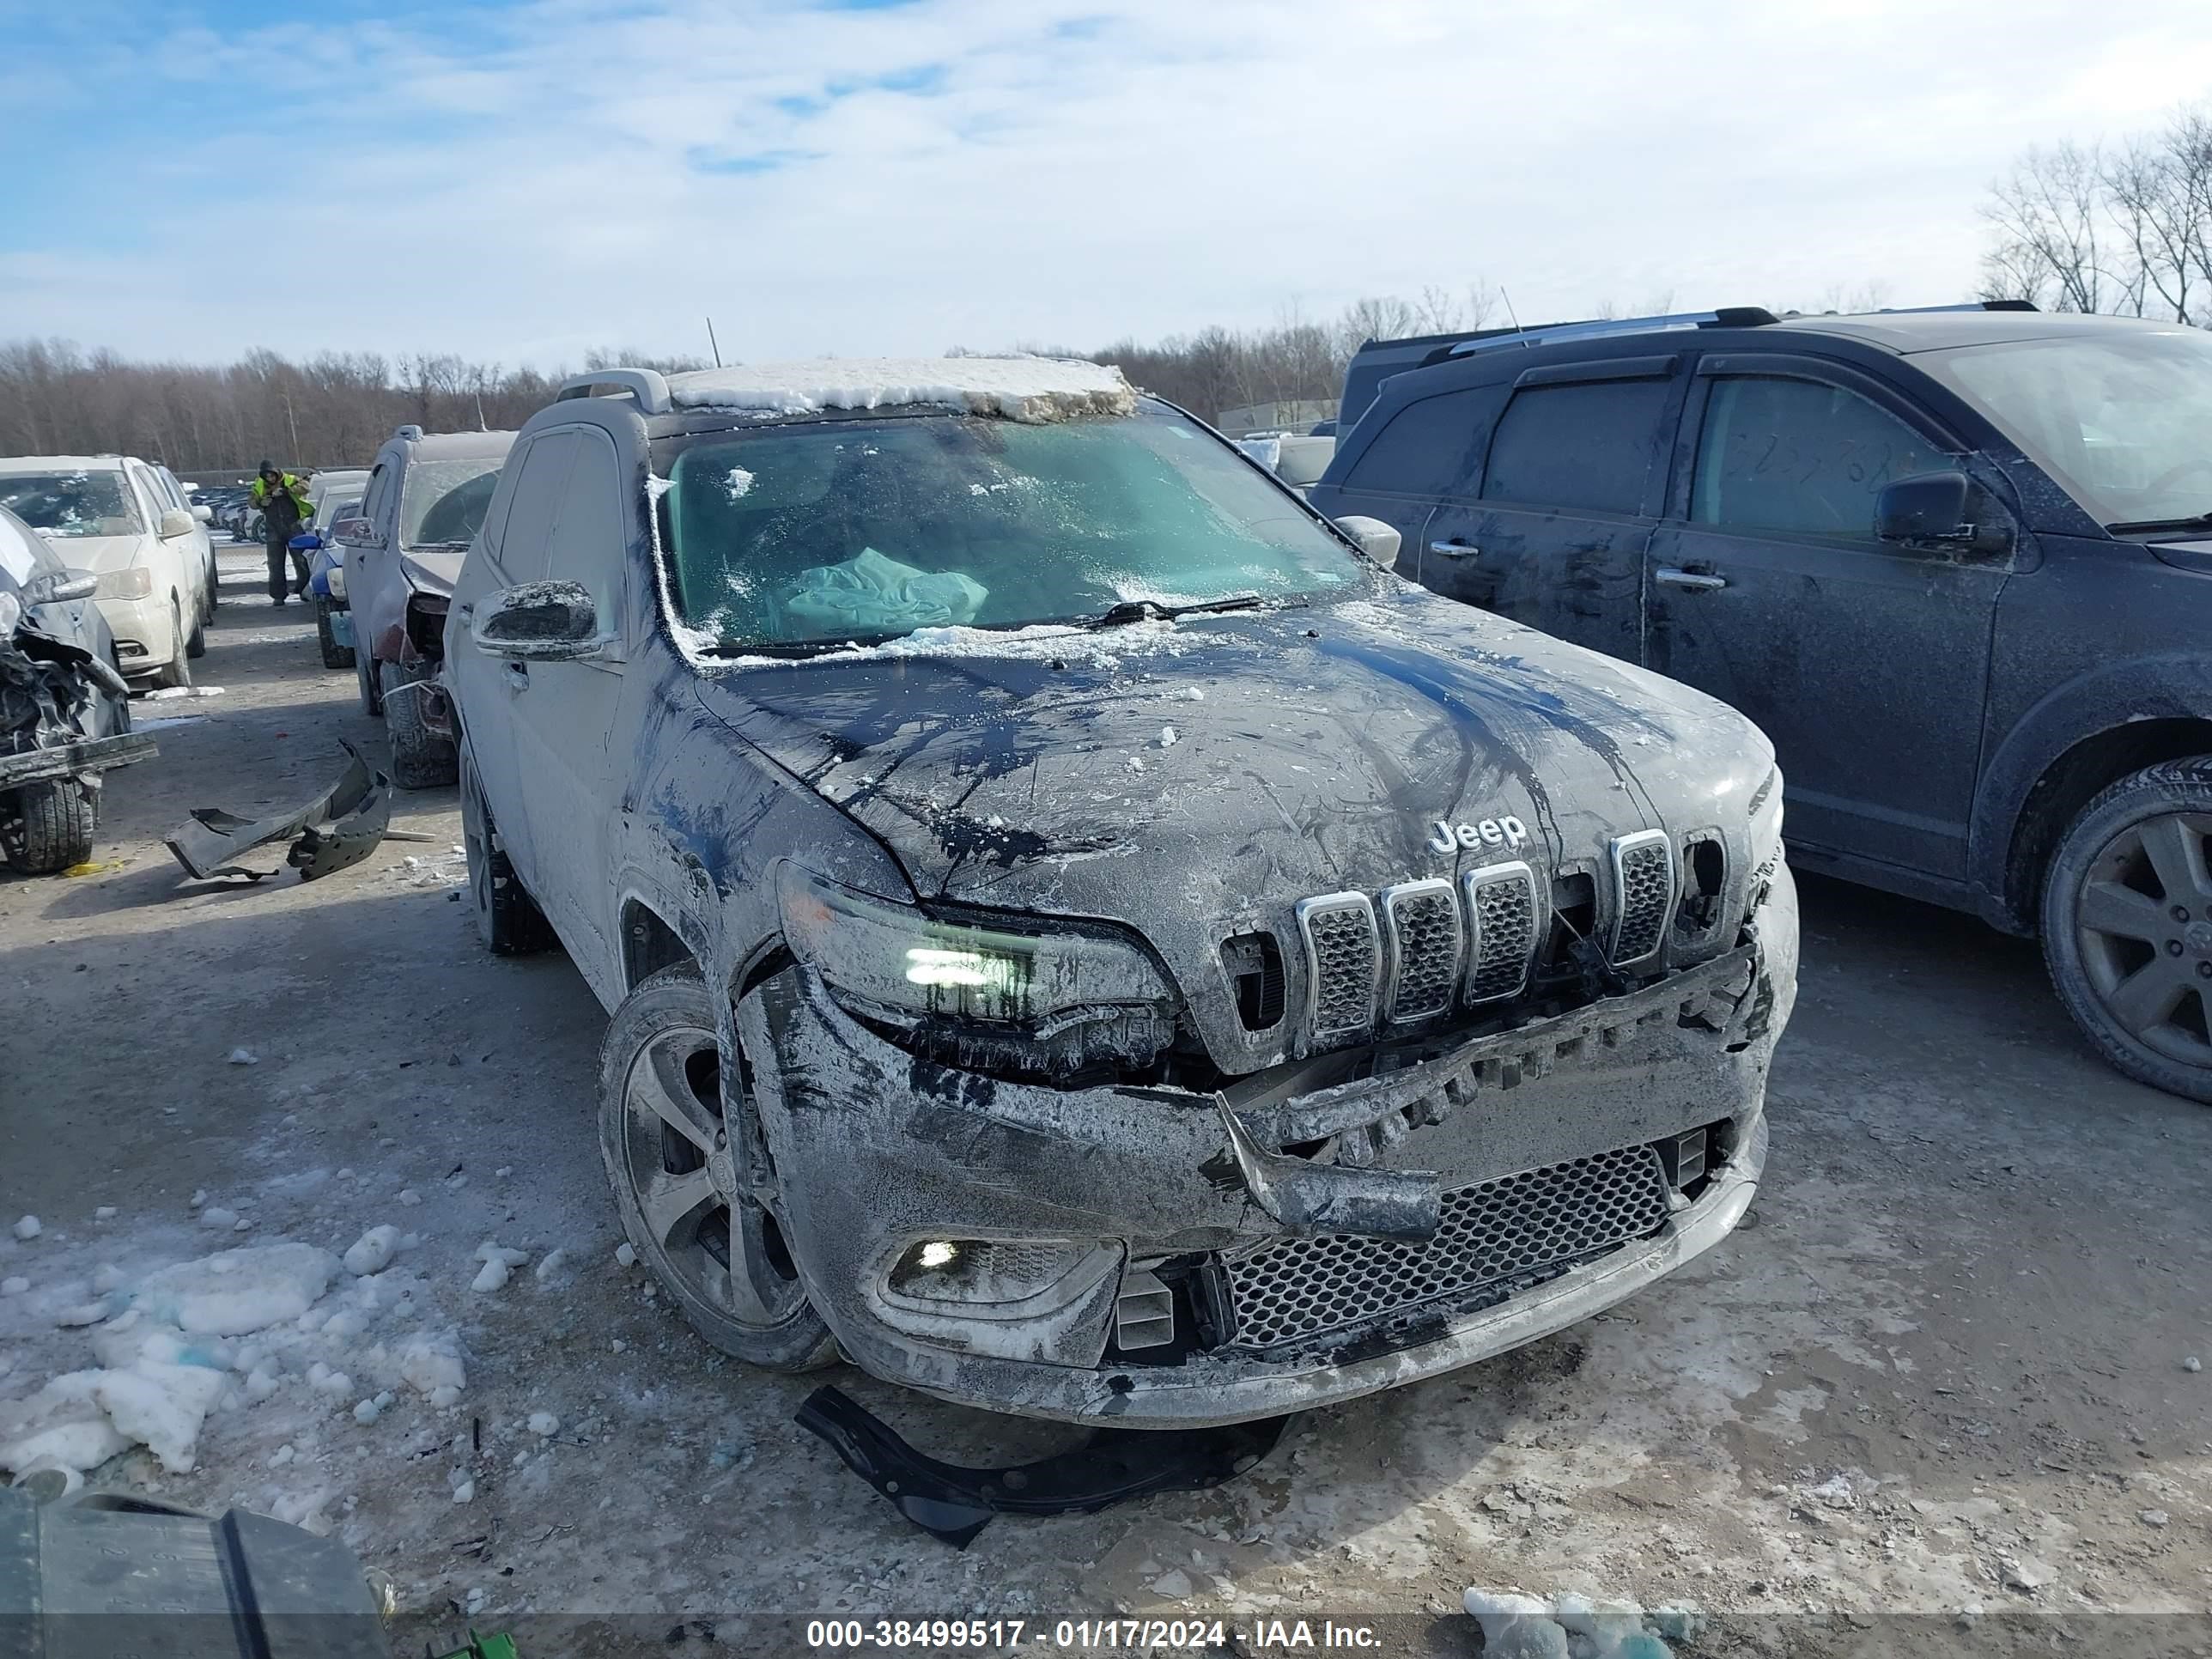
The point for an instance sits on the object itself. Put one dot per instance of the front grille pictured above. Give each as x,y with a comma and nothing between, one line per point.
1343,962
1422,921
1501,903
1644,893
1497,1232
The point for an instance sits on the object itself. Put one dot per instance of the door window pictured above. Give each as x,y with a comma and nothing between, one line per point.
1586,444
587,536
1800,457
524,544
1432,447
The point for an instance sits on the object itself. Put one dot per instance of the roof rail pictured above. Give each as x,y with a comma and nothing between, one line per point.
1724,317
649,386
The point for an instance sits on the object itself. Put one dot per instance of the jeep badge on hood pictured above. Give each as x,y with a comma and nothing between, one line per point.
1490,832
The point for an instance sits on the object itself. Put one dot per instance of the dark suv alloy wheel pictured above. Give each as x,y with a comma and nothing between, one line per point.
684,1182
2127,925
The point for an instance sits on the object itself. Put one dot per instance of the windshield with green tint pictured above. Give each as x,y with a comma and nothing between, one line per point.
796,537
2121,420
71,503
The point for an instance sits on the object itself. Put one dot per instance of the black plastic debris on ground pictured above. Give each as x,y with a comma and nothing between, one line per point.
336,829
1111,1466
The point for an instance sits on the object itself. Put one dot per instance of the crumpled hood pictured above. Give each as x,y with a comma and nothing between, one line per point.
101,554
1173,775
433,569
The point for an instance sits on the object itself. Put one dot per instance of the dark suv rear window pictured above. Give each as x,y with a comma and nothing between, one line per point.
1432,447
1584,445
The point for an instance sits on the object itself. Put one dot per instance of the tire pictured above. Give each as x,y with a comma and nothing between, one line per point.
334,654
662,1047
2127,925
364,680
508,920
48,826
420,760
214,589
195,642
178,671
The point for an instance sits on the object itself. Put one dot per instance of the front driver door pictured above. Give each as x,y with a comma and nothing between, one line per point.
1866,662
573,770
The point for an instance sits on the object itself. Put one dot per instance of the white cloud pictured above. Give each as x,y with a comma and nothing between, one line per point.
525,187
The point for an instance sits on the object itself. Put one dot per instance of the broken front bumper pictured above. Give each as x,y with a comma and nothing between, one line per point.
71,760
1578,1158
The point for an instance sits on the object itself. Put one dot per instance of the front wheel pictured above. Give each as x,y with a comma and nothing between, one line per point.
2127,925
420,758
693,1206
46,827
179,669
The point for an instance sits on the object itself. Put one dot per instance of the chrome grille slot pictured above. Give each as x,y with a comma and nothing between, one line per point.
1344,963
1492,1233
1643,893
1502,919
1421,920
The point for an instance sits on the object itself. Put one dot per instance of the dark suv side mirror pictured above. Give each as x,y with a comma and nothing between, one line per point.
538,621
1928,507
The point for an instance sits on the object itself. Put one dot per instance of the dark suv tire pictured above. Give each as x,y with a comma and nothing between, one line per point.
719,1252
508,920
2127,925
420,758
334,654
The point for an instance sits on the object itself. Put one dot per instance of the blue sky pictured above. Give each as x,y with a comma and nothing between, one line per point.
523,179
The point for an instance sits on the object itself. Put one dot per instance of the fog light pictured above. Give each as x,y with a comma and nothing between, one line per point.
987,1271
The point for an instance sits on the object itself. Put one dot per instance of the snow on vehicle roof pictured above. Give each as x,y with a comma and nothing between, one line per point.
61,463
1030,389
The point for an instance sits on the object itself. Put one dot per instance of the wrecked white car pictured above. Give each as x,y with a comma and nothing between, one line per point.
1083,936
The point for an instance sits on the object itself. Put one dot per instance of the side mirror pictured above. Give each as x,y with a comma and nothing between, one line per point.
354,533
538,622
1377,540
175,522
201,513
59,586
1929,506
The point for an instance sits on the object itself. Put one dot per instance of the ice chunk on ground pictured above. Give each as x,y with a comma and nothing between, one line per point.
373,1251
430,1363
13,1284
544,1423
28,1227
163,1406
215,1216
1032,389
244,1057
62,1425
1168,737
499,1265
626,1256
465,1492
234,1293
105,1212
409,1197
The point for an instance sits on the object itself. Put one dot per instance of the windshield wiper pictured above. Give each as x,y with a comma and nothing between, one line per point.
2197,521
1137,611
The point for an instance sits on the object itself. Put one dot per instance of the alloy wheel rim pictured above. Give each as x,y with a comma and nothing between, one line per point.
707,1230
2143,923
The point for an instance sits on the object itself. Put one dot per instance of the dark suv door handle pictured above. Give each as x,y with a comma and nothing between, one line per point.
518,677
1697,581
1454,550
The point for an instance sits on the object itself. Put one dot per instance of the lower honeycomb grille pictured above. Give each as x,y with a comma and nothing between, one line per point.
1305,1288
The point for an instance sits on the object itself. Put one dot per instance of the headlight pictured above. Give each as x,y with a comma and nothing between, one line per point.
895,958
11,612
334,579
135,583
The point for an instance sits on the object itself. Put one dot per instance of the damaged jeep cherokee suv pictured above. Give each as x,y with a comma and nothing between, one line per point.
1083,938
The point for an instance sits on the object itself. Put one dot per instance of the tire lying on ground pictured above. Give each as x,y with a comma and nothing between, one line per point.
661,1133
508,919
46,827
420,759
2127,925
334,654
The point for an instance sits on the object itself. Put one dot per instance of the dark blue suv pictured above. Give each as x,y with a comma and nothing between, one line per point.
1957,562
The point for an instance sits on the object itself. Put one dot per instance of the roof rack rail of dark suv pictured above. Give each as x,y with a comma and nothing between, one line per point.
1544,333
